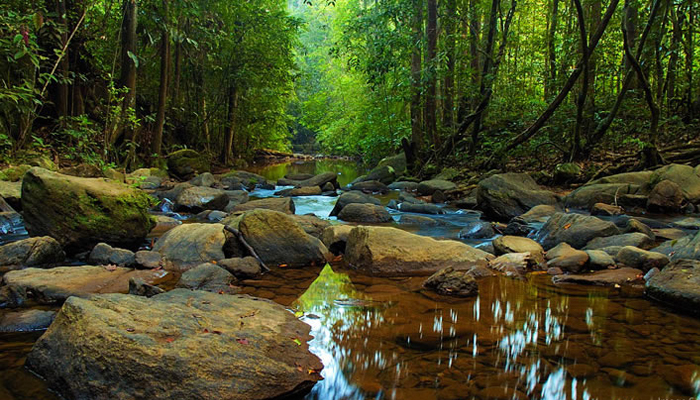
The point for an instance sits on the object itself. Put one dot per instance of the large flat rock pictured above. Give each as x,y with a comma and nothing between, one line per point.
677,285
178,345
610,277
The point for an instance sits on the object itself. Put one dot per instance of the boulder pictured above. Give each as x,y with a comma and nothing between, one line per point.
138,287
505,196
206,179
198,198
83,171
607,193
514,265
279,240
566,258
189,245
283,205
419,208
641,259
12,193
55,285
14,174
598,259
392,252
299,176
687,247
404,185
211,215
26,321
242,268
575,229
335,238
367,213
186,163
666,196
409,219
517,244
312,224
148,259
635,239
209,277
350,198
301,191
566,172
609,277
397,162
370,186
607,210
477,230
31,252
633,225
677,285
81,212
384,174
177,345
683,176
538,214
320,180
426,188
452,282
236,197
104,254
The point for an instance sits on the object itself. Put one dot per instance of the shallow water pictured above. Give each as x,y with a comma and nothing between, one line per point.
386,338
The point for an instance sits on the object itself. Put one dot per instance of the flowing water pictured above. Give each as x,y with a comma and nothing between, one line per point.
387,338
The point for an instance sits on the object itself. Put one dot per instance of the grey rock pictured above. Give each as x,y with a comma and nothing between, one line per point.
635,239
505,196
209,277
242,268
350,198
641,259
574,229
30,252
427,188
366,213
199,198
103,254
477,230
677,285
26,321
138,287
453,282
566,258
598,259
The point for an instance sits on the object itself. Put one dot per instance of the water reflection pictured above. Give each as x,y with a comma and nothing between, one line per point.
347,170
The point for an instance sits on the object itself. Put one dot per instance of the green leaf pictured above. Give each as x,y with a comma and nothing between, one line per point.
133,58
20,54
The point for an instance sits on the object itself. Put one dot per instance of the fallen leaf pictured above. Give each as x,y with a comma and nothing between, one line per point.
283,265
213,261
299,314
567,226
216,332
242,341
205,330
297,341
206,302
170,340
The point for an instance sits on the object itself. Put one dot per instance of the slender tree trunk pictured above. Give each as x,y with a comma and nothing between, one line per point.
230,136
689,59
164,75
468,100
551,75
431,61
486,69
576,142
62,103
416,144
676,38
450,45
128,67
178,72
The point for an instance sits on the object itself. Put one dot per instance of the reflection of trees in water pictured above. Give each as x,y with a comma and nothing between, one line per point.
347,170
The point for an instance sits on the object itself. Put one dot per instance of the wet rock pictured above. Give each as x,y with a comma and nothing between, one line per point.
122,346
678,285
633,201
242,268
209,277
393,252
139,287
164,224
566,172
466,203
83,171
12,193
505,196
189,245
517,228
688,223
453,282
516,244
206,179
312,224
26,321
283,205
598,259
581,371
397,162
301,191
634,225
32,252
211,215
55,285
427,188
235,197
641,259
609,277
409,198
538,214
199,198
607,210
366,213
384,174
420,208
575,229
403,185
186,163
438,197
607,193
350,198
370,187
514,265
566,258
278,239
477,230
151,182
635,239
419,220
335,237
320,180
247,179
171,194
683,176
666,196
299,176
104,254
671,235
81,212
610,250
328,187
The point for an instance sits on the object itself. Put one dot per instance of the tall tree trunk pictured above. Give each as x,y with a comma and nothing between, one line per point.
178,68
450,45
127,78
164,75
676,38
62,104
689,59
416,144
576,142
230,125
590,109
431,61
468,101
551,76
631,20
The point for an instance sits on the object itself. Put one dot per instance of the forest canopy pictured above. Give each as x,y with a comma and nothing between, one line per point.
474,82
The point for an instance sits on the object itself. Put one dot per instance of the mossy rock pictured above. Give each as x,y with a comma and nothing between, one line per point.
14,174
186,163
397,162
36,159
566,172
81,212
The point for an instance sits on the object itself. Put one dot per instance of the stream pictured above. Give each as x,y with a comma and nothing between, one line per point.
386,338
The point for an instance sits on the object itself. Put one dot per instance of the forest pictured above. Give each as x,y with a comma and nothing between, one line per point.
474,83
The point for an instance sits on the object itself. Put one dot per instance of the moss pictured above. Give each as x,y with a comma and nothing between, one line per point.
14,174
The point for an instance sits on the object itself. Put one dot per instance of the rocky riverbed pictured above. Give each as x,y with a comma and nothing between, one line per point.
491,288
